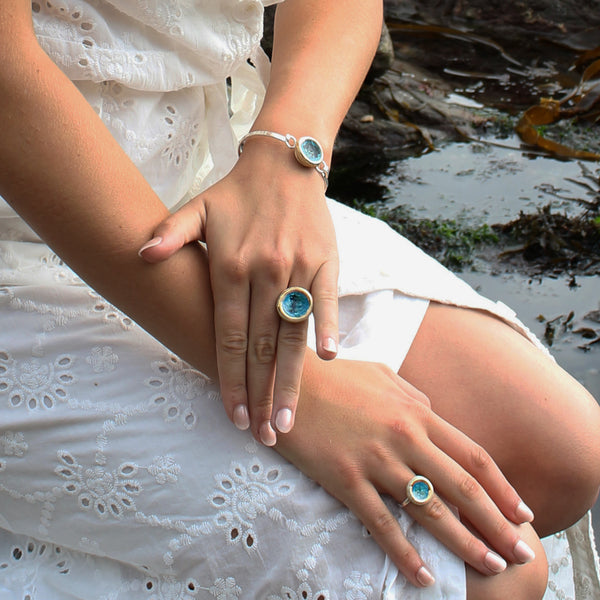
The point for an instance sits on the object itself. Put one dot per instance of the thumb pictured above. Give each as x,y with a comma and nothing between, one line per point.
182,227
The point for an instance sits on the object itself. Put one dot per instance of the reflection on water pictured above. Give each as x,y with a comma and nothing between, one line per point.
489,182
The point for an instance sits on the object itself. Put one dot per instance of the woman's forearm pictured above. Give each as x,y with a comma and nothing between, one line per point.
64,173
322,51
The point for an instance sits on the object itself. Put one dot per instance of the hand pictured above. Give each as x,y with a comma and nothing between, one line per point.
377,431
266,227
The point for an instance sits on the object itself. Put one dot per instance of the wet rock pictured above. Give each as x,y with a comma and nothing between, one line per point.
566,20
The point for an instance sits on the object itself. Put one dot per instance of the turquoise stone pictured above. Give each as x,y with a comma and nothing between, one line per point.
420,491
311,150
295,304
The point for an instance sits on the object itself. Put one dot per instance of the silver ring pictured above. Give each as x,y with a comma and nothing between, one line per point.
419,490
294,304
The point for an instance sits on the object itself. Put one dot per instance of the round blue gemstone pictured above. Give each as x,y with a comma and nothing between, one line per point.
420,490
295,304
311,150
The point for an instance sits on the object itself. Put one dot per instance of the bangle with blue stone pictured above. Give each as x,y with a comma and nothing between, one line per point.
307,151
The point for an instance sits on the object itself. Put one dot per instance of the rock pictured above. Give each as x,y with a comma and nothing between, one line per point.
384,57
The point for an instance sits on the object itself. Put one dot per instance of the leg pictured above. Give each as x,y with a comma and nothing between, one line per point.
518,582
540,426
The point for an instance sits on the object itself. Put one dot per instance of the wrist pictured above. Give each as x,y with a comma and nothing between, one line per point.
299,124
270,163
307,151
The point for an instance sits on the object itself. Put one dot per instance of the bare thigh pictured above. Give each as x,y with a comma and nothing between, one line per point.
537,422
518,582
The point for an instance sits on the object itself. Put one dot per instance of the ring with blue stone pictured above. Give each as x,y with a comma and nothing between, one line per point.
294,304
419,490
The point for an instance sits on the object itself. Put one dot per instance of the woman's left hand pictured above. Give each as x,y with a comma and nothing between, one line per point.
267,227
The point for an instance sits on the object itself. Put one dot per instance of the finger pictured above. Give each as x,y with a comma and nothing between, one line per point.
291,348
475,460
461,489
262,348
440,521
325,296
182,227
368,506
231,298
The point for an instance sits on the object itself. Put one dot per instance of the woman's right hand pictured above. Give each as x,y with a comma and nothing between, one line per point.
377,431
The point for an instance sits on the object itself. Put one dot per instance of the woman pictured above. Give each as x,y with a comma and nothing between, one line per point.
121,476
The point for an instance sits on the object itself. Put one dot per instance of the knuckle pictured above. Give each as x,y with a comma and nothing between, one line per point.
289,390
261,405
234,394
293,337
435,509
469,488
502,529
328,295
276,265
349,474
423,399
234,268
473,548
479,459
382,523
404,432
234,344
264,349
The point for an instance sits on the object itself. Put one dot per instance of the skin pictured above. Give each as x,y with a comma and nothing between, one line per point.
81,214
265,232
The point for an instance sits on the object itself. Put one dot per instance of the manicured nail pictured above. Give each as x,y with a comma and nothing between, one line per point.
267,435
524,513
523,553
330,345
425,578
241,418
153,242
494,562
283,420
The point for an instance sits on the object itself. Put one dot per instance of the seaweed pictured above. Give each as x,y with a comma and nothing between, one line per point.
450,241
556,242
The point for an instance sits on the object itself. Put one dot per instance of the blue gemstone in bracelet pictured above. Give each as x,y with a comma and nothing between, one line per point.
310,150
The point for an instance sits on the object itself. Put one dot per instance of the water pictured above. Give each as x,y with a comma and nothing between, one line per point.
487,183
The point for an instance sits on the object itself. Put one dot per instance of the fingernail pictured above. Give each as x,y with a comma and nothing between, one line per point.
424,577
330,345
267,435
523,553
241,418
283,420
153,242
494,562
524,513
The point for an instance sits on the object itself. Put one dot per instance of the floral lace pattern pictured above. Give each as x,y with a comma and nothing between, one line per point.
151,455
120,475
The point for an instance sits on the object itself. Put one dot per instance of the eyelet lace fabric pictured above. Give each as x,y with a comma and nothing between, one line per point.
120,475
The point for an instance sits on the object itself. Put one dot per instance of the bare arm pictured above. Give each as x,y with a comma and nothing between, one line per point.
266,224
65,174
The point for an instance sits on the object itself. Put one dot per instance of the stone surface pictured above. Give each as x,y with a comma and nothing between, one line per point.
420,490
311,150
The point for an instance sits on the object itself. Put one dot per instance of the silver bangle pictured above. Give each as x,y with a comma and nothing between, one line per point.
307,151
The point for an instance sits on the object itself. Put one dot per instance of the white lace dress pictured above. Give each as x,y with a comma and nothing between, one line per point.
120,475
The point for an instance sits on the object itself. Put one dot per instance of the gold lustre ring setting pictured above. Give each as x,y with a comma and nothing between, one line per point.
419,491
294,304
